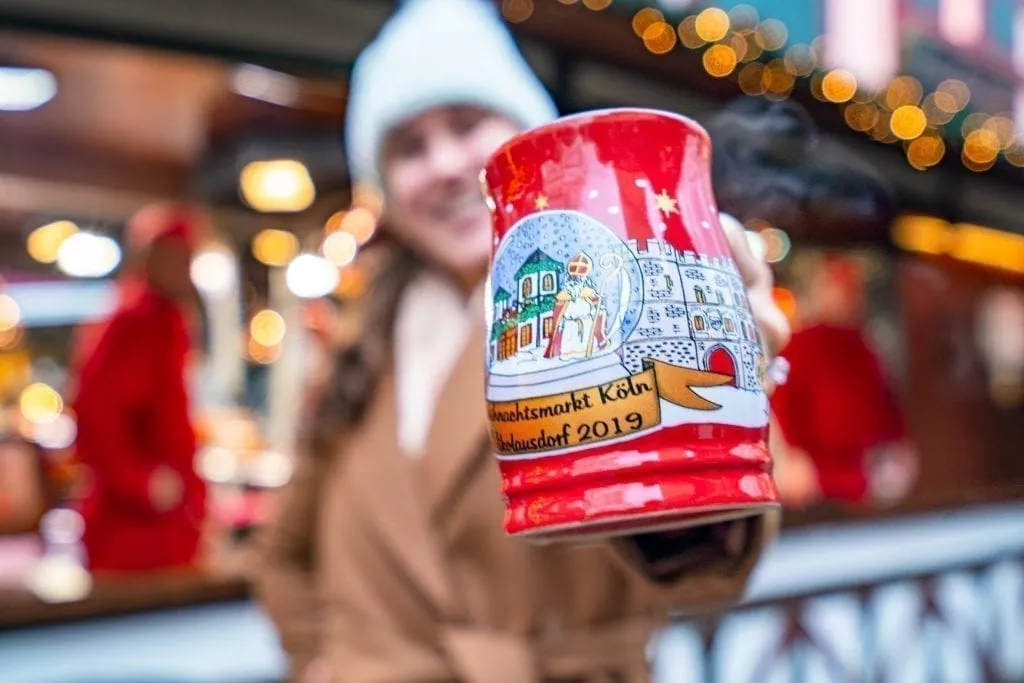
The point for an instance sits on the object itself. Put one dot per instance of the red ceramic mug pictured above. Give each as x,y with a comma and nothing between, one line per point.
624,369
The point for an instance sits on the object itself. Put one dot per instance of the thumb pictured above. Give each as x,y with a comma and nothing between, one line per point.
757,277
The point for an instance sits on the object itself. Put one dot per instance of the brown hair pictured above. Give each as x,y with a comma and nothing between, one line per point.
340,402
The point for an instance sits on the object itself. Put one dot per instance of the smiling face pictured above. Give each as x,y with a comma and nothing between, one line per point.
431,170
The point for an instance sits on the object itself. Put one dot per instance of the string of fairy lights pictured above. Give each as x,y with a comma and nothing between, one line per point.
739,44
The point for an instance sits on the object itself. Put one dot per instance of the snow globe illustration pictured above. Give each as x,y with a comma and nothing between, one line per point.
563,294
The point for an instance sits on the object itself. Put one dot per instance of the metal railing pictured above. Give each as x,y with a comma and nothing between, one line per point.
936,597
953,613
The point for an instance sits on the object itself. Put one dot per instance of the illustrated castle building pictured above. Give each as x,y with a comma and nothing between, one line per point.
695,315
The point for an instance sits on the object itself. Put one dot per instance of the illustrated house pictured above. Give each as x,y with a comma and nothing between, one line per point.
504,338
537,283
502,302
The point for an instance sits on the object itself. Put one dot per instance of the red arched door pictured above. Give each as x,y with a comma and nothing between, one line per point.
722,362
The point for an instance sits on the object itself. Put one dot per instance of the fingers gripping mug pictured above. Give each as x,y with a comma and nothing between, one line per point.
624,370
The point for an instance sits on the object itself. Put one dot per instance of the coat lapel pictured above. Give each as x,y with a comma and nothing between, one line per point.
401,496
383,482
458,435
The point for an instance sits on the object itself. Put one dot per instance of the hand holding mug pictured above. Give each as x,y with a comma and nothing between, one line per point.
757,277
630,333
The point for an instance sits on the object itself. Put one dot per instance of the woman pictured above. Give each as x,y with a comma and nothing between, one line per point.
144,506
388,561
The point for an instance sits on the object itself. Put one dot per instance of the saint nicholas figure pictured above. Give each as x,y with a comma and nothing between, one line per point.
579,327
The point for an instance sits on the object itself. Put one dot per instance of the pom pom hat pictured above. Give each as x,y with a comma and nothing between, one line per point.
435,53
165,221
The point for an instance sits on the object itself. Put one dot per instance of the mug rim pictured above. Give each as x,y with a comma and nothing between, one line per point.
595,114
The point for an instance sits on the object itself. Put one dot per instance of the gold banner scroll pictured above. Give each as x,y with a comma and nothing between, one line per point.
599,413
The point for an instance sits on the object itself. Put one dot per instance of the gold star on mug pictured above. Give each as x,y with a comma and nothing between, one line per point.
666,204
541,202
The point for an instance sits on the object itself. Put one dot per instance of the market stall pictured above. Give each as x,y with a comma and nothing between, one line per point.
162,103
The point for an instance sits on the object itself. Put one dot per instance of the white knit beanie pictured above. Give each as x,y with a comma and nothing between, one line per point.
435,53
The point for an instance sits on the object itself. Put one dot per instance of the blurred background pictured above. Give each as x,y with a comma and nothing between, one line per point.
109,106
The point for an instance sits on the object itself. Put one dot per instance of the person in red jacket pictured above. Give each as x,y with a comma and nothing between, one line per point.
837,410
144,506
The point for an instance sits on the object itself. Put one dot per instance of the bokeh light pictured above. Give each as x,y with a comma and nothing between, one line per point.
738,43
719,60
275,247
861,117
309,276
11,338
926,151
939,114
973,122
214,271
277,186
838,86
644,18
659,38
955,92
751,79
10,313
1015,153
88,255
903,91
786,301
40,403
801,60
359,222
340,248
264,355
981,147
1004,128
778,80
369,197
756,244
267,327
44,242
908,122
777,244
688,33
352,282
743,18
56,434
712,24
772,35
516,11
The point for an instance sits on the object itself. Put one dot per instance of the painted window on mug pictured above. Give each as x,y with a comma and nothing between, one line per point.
526,335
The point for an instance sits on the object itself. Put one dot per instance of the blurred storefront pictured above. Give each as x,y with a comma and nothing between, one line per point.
108,107
95,130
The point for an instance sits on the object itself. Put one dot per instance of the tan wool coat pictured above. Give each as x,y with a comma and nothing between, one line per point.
394,570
